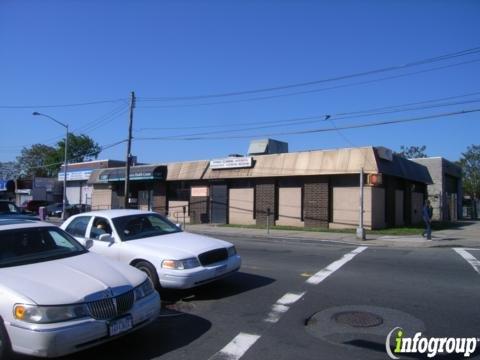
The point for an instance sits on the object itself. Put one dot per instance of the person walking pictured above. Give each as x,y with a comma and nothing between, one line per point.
427,213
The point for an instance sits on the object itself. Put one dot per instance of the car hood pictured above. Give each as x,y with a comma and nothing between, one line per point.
70,280
179,245
7,215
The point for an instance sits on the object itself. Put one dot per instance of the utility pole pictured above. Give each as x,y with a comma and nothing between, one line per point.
129,148
361,229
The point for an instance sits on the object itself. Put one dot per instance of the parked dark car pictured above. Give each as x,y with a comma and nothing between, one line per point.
78,208
12,211
57,208
54,209
33,205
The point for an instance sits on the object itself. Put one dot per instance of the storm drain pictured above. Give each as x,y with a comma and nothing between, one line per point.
358,319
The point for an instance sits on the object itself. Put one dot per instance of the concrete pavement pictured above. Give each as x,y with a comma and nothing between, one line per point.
465,234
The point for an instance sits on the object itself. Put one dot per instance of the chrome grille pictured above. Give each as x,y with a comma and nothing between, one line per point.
213,256
109,308
125,302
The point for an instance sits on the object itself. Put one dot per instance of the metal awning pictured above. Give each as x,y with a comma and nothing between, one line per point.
141,172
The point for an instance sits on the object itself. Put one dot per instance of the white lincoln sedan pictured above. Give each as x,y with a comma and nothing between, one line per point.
171,257
57,298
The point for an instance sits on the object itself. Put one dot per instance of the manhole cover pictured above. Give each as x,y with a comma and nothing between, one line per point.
358,319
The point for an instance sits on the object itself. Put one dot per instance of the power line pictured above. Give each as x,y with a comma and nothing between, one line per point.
60,105
311,131
102,148
86,128
365,82
444,57
322,117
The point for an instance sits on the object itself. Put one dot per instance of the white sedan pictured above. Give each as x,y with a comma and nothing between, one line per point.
150,242
57,298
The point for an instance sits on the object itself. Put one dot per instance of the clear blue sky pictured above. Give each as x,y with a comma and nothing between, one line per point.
55,52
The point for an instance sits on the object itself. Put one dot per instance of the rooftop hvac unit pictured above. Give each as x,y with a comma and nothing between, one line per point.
267,146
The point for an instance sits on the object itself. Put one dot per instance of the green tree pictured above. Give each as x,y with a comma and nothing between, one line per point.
80,148
38,160
8,170
44,160
413,152
470,163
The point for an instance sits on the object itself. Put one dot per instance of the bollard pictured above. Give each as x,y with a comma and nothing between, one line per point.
184,211
268,221
42,212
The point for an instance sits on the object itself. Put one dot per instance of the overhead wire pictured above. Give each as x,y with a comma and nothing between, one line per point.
85,129
321,118
310,131
365,82
102,148
61,105
444,57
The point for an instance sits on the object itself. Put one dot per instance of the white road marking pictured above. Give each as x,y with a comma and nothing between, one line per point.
330,269
280,307
289,298
235,349
472,260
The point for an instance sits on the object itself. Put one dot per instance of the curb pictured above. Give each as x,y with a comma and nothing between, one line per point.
387,241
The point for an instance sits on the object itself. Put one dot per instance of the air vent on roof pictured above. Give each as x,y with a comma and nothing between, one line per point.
267,146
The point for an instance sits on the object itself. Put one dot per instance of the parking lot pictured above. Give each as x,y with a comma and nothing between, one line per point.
307,300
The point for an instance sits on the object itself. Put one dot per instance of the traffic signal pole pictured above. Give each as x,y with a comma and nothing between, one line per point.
361,229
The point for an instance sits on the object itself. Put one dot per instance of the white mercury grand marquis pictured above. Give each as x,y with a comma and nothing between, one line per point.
147,240
57,298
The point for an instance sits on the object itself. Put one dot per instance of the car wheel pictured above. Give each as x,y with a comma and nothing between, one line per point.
149,269
4,342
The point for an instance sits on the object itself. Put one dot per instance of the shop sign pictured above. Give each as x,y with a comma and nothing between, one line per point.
231,163
199,191
77,175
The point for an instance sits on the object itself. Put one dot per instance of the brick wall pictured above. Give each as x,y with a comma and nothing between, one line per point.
265,198
316,202
159,198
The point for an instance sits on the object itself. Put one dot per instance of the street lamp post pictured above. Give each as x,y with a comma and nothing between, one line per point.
65,161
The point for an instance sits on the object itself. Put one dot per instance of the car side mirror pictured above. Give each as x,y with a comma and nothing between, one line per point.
88,243
106,238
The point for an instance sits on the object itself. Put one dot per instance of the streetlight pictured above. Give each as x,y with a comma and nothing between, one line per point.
65,162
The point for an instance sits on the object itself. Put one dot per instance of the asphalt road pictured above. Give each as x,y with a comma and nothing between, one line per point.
306,300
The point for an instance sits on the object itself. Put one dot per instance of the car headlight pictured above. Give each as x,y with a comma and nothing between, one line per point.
144,289
184,264
49,314
232,251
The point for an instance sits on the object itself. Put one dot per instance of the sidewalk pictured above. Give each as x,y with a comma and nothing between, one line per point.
467,235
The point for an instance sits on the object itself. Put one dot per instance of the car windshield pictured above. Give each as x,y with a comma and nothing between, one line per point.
8,207
142,226
32,245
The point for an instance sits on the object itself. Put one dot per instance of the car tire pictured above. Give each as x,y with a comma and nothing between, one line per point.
5,348
150,270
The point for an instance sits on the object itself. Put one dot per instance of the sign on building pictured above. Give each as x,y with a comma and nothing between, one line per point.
231,163
199,191
75,175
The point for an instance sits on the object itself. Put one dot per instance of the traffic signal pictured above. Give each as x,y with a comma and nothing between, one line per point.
374,179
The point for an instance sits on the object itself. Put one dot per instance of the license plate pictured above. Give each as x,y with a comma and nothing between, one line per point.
119,326
220,269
